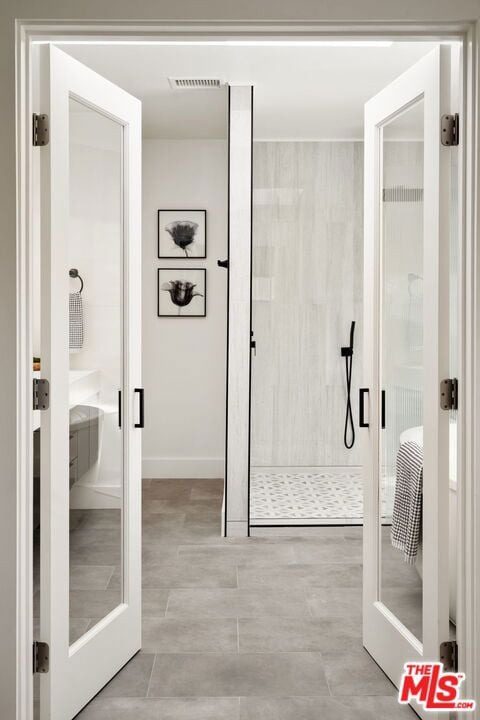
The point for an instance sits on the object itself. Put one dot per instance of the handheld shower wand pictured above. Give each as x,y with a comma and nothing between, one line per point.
347,353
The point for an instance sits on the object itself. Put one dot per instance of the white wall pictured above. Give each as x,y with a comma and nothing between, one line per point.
184,358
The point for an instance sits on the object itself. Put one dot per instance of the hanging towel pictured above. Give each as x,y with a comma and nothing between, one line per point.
407,508
75,307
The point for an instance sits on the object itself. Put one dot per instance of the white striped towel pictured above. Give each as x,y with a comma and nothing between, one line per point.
406,529
75,307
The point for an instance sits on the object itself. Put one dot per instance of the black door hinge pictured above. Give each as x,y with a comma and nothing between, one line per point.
449,655
41,657
41,129
449,394
450,127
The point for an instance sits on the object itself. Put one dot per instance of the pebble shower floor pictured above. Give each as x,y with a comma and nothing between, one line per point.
315,498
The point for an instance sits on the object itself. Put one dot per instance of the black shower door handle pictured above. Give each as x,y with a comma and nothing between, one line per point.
361,419
141,407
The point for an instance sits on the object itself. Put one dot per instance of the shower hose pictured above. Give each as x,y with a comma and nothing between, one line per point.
349,431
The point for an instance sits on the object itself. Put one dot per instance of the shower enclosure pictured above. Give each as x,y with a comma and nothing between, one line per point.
306,289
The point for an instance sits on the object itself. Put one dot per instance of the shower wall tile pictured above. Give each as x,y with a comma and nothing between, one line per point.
308,248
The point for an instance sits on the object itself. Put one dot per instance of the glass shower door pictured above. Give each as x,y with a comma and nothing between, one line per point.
406,573
90,447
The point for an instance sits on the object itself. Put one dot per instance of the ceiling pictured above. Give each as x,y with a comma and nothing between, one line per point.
301,93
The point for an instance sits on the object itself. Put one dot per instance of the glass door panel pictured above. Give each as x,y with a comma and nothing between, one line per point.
402,365
95,259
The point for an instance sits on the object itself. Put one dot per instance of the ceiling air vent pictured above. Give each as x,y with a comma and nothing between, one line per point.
195,83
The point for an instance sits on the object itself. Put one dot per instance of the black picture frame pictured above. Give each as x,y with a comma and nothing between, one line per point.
166,301
167,217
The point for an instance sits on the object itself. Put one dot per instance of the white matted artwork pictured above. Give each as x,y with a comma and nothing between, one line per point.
182,234
182,292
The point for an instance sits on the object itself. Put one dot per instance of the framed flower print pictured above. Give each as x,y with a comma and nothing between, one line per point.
182,292
182,234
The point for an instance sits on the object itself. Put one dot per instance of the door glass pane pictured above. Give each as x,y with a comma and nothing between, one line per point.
402,371
96,472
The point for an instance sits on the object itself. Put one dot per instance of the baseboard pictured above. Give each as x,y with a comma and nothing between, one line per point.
164,468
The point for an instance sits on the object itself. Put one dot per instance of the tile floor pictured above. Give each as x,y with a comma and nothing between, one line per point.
328,496
263,628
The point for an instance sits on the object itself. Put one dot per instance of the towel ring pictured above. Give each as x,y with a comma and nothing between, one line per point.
73,272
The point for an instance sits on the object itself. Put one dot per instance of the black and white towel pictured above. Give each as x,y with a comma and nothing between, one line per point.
406,529
75,307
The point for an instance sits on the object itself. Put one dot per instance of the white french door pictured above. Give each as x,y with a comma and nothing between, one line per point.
90,446
406,610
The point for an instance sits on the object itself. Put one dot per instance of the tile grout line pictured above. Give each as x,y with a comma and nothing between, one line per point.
151,675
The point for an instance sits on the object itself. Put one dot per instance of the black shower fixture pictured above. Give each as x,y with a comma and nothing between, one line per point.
347,353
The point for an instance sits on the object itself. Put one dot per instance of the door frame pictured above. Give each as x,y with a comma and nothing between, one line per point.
468,518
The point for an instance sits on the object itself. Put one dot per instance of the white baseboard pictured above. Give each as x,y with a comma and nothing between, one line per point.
163,468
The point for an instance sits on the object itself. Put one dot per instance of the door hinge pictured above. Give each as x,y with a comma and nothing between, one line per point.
449,655
41,394
449,394
450,129
41,129
41,657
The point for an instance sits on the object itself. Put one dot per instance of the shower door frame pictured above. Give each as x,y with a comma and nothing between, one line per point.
29,31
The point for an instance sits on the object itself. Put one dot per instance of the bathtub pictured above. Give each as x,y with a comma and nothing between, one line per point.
415,434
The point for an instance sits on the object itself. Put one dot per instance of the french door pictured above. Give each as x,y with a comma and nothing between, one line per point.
90,436
406,610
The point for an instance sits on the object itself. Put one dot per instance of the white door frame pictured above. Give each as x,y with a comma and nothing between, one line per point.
469,414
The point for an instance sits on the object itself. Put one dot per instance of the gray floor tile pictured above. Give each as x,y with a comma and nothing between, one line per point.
156,553
154,602
377,708
188,575
93,603
297,635
237,603
298,531
206,493
238,674
355,673
284,576
96,555
182,635
102,519
336,602
132,680
162,709
84,537
159,489
237,554
298,708
329,550
159,527
176,505
90,576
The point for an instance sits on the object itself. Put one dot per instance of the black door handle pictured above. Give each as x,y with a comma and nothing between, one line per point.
119,408
141,422
361,419
222,263
383,409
